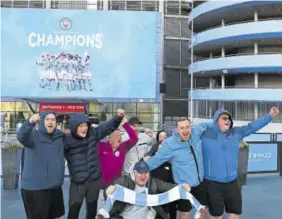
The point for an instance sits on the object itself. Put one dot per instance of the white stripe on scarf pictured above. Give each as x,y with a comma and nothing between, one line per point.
131,197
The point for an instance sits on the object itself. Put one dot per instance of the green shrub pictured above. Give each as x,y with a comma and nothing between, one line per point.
13,145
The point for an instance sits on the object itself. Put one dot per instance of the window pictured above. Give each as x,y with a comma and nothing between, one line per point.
172,27
172,7
20,4
149,6
117,5
148,107
128,107
185,30
185,54
37,4
172,52
134,5
7,4
172,78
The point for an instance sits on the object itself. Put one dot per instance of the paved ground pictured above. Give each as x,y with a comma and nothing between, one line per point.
262,198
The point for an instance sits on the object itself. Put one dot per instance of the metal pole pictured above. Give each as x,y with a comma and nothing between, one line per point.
161,10
192,61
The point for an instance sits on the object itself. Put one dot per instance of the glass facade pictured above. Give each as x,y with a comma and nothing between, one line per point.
149,113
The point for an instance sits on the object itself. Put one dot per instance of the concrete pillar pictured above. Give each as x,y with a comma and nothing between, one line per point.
91,4
222,81
210,55
223,22
255,16
222,51
48,4
256,48
162,79
105,5
210,107
256,114
210,82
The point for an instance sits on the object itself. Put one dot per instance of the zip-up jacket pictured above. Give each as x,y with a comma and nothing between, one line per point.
220,149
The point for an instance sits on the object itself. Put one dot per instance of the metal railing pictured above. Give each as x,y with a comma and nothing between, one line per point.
197,59
239,22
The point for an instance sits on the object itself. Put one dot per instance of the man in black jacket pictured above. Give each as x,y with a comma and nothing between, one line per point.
83,161
140,182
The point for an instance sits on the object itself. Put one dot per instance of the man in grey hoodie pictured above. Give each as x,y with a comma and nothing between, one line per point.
44,165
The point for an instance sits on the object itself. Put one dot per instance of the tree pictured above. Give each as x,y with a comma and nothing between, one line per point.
103,116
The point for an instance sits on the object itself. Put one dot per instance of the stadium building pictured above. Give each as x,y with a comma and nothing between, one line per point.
237,48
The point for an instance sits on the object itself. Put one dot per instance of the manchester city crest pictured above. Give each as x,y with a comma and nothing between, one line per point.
66,23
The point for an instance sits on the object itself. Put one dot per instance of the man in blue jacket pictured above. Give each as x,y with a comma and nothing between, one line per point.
184,150
83,161
44,165
220,150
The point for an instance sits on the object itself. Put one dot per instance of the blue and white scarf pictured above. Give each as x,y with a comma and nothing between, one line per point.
131,197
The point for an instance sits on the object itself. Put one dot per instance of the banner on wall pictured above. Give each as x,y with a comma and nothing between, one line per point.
104,55
263,157
62,107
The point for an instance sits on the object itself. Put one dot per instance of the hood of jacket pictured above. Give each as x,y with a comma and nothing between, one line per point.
75,120
216,116
41,126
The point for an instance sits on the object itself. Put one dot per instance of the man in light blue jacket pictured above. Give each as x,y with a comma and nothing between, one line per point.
184,150
220,150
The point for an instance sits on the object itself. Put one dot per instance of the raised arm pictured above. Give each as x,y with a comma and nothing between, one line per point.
24,135
201,127
107,128
258,124
133,138
162,156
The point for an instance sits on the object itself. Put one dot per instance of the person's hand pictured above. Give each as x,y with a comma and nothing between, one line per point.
186,187
120,112
124,120
34,119
110,190
149,132
274,111
146,158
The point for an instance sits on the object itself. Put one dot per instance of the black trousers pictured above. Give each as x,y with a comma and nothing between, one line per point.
77,192
43,204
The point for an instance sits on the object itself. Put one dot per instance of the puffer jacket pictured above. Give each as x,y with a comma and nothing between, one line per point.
81,153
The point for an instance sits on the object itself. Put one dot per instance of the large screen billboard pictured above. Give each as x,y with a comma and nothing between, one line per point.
106,55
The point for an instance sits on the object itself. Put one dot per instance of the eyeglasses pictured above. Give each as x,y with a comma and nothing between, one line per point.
225,118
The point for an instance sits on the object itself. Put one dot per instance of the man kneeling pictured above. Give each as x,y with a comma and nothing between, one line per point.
140,182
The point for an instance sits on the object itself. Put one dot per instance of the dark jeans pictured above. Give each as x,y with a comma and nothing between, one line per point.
43,204
77,192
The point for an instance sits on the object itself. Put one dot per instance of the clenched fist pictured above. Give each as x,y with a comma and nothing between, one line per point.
274,111
149,132
186,187
120,112
110,190
34,119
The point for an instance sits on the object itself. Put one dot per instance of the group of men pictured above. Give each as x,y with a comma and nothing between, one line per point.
203,159
65,71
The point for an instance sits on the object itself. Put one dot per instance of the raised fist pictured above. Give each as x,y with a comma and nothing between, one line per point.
110,190
274,111
34,119
186,187
149,132
120,112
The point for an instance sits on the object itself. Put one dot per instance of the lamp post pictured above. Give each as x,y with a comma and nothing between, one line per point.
192,61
